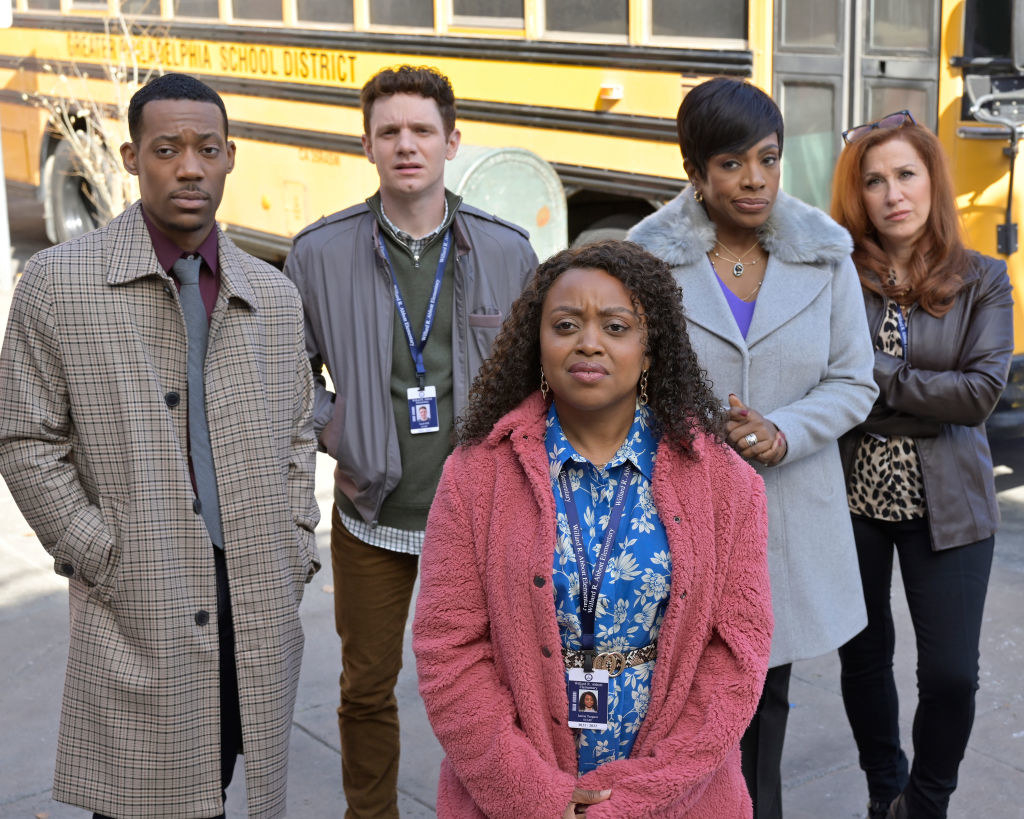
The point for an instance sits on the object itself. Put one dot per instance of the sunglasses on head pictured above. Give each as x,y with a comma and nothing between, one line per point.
897,120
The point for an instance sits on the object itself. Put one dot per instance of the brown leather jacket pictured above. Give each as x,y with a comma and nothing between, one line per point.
954,372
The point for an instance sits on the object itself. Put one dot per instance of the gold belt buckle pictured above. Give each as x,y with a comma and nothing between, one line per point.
613,662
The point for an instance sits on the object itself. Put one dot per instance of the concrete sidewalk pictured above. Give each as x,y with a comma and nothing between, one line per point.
821,777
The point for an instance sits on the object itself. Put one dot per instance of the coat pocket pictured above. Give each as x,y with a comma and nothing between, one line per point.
334,429
306,560
484,327
90,548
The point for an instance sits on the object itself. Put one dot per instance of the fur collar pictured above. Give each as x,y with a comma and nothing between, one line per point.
681,233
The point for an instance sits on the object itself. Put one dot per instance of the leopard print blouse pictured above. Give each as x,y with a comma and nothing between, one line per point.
885,482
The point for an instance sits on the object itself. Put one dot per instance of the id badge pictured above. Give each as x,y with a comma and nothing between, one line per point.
588,699
422,410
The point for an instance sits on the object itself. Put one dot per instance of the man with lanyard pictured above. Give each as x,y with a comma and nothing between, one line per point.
403,294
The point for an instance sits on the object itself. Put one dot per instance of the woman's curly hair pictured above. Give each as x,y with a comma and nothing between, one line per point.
678,393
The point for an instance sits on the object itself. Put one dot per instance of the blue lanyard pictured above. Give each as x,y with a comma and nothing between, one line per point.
428,321
590,585
901,323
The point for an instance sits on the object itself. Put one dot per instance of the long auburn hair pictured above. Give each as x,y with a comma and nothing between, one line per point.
939,257
678,393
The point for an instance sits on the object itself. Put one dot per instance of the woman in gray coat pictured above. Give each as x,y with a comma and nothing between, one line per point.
773,304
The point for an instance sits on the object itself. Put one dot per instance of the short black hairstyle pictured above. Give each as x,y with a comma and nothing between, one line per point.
724,116
171,87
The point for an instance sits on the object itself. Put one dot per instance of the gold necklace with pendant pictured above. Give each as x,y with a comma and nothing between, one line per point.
738,265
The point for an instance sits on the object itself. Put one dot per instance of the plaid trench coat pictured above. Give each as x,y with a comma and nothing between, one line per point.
93,445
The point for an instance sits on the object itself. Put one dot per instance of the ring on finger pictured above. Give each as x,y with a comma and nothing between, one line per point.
750,439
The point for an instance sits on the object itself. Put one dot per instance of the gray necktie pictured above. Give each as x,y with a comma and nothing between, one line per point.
197,325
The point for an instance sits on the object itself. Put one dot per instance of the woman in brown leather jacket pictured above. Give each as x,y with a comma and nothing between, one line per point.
918,470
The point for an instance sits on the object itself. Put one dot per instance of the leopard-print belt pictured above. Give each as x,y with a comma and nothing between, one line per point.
613,661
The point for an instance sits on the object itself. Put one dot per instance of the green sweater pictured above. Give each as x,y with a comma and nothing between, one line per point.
423,455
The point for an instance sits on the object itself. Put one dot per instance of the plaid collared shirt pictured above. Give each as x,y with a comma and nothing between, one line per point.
406,541
416,246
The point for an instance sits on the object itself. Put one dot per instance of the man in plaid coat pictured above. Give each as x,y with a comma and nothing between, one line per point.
95,447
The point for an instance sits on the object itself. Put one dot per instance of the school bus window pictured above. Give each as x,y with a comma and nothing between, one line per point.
809,24
43,5
588,16
985,31
700,18
257,9
195,8
494,13
150,8
809,109
89,5
405,13
886,99
324,11
904,25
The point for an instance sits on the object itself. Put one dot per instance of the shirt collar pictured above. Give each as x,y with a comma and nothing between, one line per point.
640,446
408,239
167,252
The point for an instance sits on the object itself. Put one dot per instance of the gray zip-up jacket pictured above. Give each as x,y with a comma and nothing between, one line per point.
349,322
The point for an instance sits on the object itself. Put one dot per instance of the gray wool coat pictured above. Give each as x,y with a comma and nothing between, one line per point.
806,364
93,445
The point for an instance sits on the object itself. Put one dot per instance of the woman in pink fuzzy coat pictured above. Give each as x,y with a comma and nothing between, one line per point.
593,535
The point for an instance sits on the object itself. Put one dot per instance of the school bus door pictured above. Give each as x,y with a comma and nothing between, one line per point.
838,63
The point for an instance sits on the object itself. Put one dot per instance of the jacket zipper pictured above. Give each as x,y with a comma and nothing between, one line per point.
391,355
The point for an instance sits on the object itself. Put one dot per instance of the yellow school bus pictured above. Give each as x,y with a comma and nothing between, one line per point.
591,86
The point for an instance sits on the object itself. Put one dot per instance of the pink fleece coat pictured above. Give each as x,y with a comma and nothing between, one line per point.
488,649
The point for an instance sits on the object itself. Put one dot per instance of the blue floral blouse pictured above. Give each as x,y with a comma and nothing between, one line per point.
635,590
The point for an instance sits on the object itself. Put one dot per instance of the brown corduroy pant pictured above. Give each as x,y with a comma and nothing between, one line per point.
372,592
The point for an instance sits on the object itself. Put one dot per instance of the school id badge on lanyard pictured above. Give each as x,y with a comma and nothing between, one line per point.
588,699
422,398
588,686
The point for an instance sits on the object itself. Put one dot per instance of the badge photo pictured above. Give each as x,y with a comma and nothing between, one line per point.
588,699
422,410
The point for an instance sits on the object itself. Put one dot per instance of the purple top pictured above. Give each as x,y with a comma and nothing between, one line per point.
742,311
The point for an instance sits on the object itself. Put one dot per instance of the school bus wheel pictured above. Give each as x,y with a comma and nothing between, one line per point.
70,205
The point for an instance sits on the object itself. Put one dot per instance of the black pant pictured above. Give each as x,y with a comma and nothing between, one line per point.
761,745
230,715
946,595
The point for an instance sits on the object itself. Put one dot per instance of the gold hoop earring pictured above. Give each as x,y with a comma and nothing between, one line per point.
643,389
698,197
543,384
